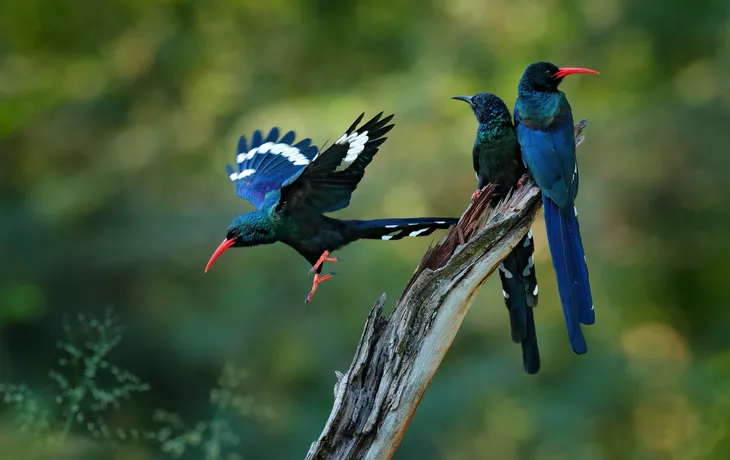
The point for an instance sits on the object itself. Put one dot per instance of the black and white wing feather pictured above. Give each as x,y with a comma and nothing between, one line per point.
327,182
264,164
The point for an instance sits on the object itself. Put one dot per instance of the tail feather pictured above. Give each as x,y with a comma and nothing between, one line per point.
566,249
587,312
519,286
530,351
396,229
515,298
526,251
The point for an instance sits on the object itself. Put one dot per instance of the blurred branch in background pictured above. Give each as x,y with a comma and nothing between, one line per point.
398,356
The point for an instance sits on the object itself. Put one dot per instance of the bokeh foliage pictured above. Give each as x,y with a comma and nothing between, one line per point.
116,120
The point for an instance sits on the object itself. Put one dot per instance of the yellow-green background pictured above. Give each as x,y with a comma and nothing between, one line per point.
116,120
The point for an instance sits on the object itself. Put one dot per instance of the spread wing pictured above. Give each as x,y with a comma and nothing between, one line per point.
549,154
264,164
327,182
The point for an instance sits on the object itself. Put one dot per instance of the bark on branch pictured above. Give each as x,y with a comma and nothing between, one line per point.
398,356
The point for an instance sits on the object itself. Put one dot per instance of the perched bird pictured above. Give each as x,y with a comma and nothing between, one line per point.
544,124
293,184
497,160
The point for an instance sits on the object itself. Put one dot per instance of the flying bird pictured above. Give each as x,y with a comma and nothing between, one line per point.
293,184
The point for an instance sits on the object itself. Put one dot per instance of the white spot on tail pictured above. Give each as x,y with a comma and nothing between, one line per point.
392,226
418,232
530,264
387,237
440,222
575,210
504,293
528,240
356,145
535,291
507,273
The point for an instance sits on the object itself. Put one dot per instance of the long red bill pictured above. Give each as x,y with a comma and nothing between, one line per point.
565,71
227,243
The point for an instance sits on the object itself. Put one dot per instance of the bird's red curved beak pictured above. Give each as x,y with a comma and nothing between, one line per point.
565,71
227,243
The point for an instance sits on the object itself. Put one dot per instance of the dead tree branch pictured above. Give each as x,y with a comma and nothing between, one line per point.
398,356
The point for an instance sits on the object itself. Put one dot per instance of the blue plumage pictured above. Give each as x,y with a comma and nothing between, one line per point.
571,271
548,150
545,132
266,163
293,184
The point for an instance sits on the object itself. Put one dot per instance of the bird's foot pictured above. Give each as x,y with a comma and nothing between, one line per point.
317,279
475,195
323,258
523,180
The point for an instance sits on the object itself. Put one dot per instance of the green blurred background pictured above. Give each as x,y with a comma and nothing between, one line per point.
116,121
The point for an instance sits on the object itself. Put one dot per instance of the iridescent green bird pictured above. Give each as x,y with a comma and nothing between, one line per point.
292,185
497,160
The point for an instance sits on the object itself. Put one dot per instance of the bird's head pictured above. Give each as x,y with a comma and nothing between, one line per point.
249,229
487,107
546,76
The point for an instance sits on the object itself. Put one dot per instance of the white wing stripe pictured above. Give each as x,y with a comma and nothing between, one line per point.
263,148
287,151
278,148
356,145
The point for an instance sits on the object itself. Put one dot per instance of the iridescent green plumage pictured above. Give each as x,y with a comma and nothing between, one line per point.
497,160
292,185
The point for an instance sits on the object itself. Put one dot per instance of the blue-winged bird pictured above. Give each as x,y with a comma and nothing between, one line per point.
544,124
293,184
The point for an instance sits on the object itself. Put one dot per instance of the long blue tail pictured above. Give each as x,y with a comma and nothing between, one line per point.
566,249
519,287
